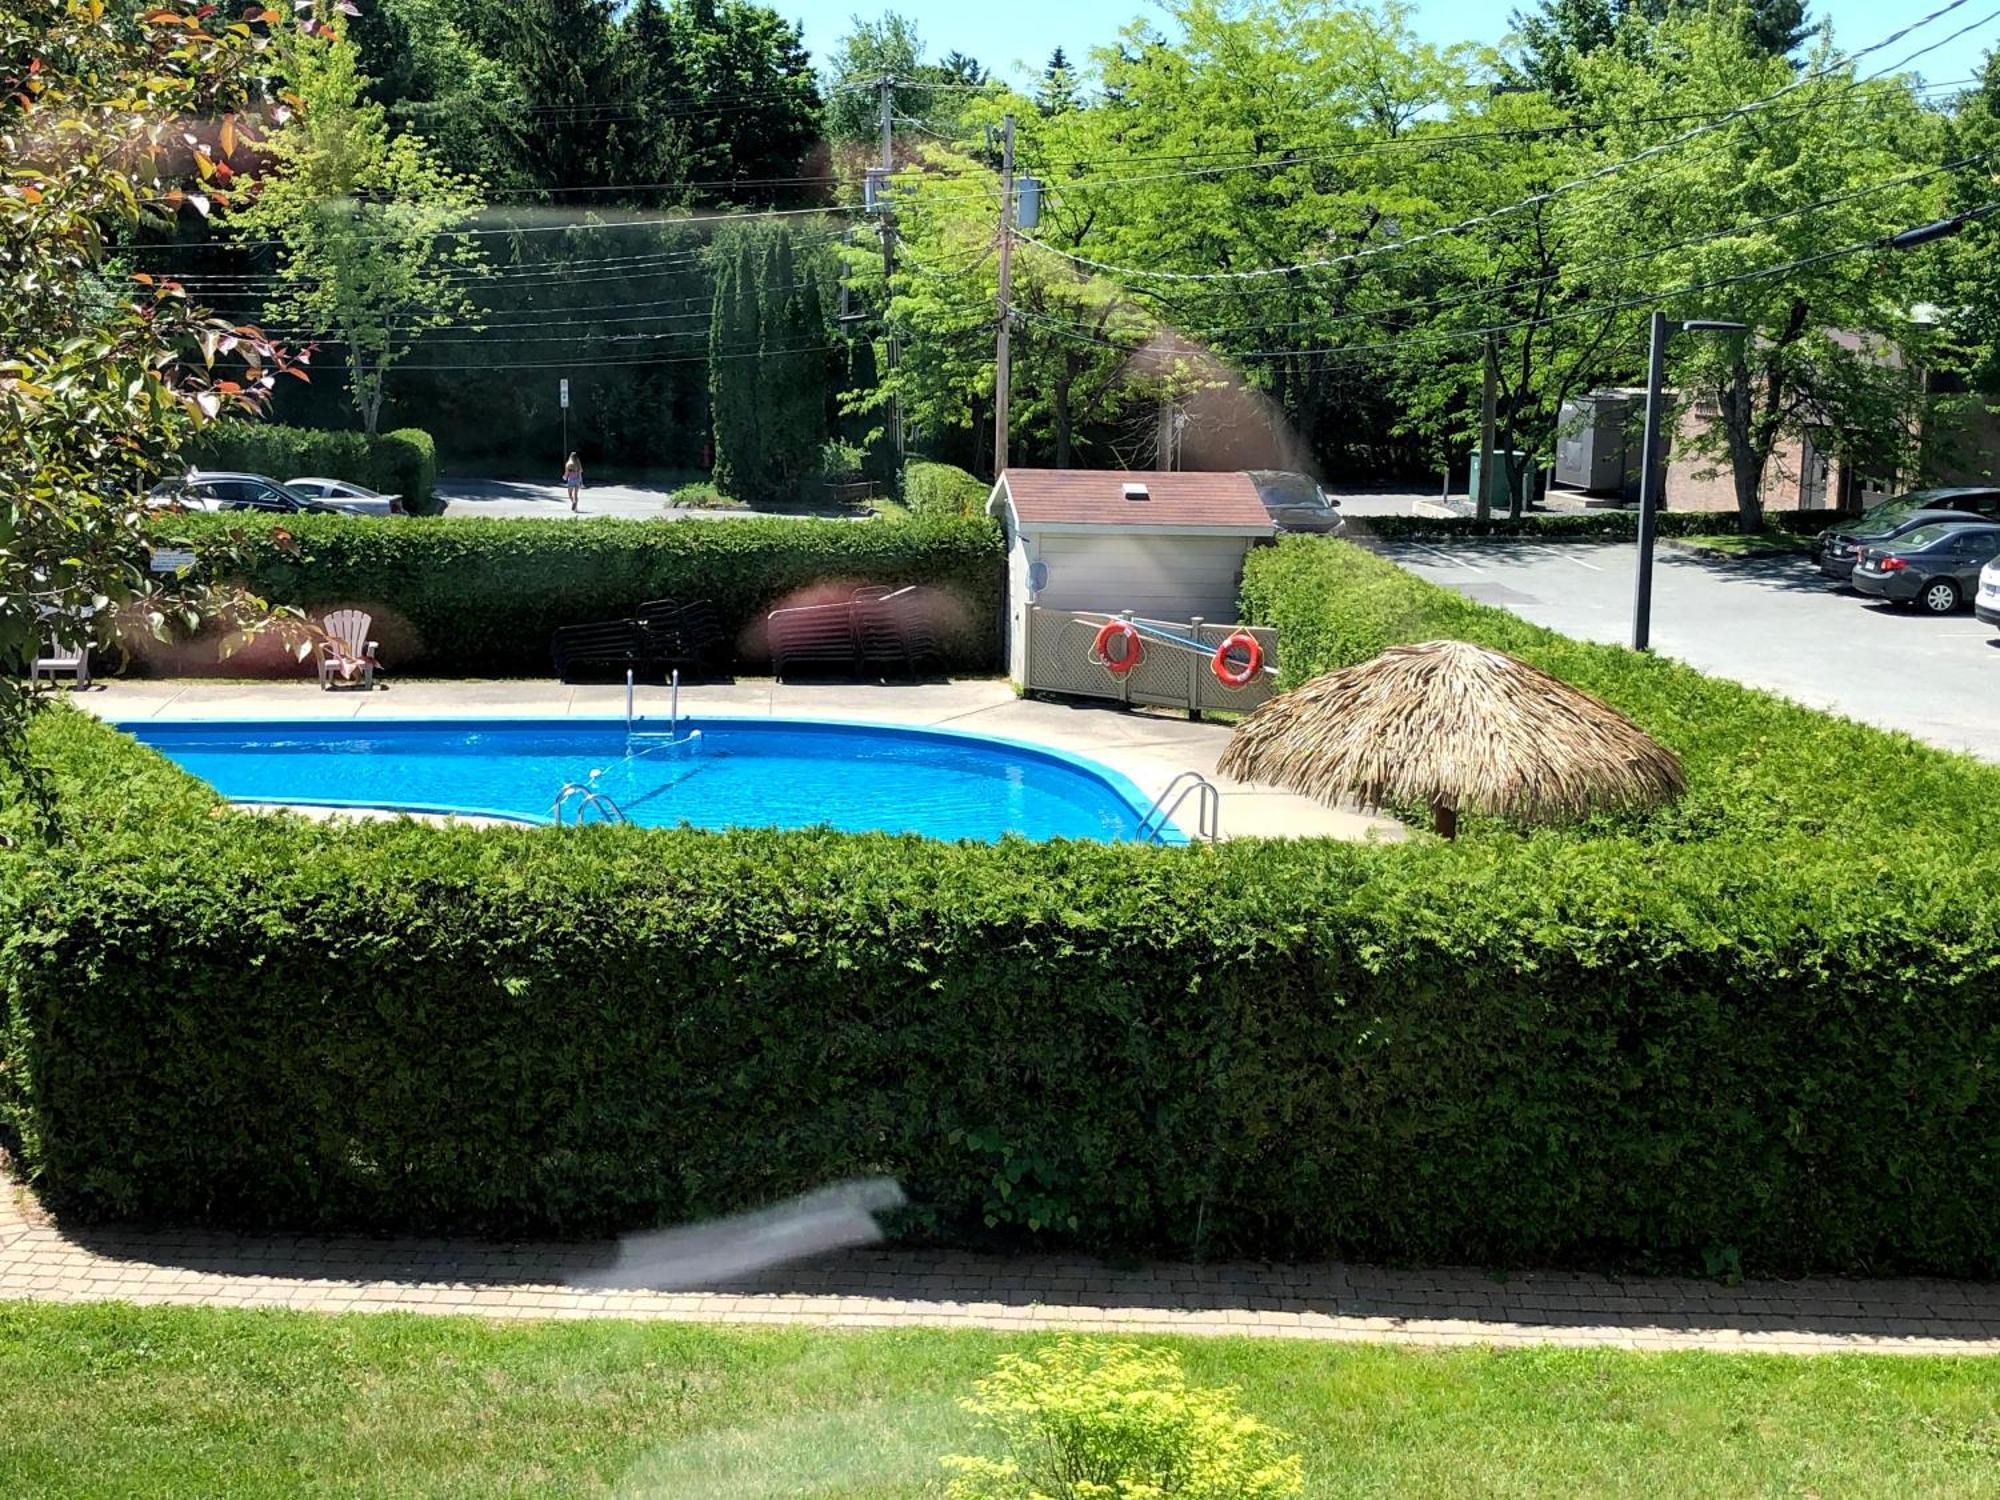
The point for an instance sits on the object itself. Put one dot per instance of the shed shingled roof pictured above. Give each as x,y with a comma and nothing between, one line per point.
1096,497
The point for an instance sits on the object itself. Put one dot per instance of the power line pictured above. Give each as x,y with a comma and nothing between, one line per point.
587,364
1478,294
663,222
1650,299
1597,174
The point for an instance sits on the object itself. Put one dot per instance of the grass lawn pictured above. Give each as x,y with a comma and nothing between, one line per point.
110,1400
1735,544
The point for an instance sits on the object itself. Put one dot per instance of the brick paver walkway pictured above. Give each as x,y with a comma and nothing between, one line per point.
949,1289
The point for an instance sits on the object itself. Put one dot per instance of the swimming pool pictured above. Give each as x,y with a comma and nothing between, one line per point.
735,773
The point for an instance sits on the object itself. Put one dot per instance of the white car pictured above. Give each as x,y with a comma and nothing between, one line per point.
1986,603
355,499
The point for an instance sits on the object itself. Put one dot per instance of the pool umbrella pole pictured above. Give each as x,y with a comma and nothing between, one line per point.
1456,728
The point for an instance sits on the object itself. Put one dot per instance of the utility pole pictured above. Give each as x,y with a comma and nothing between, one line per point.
892,346
1649,483
1002,353
1488,399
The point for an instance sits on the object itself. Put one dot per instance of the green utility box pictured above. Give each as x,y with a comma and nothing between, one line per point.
1496,488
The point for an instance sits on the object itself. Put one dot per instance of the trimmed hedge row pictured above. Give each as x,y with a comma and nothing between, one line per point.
1585,526
1758,766
479,595
934,489
403,462
1771,1050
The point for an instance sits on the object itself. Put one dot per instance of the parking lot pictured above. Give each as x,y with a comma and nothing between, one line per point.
1772,623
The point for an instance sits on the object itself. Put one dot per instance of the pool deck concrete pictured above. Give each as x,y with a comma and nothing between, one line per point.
1149,747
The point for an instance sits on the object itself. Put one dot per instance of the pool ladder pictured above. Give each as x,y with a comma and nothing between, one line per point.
1207,809
587,797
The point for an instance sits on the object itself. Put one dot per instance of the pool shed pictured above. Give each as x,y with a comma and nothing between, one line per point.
1165,546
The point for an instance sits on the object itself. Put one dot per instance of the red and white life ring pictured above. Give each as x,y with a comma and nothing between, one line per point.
1117,630
1253,663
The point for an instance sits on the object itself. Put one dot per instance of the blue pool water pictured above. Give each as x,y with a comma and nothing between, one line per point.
737,773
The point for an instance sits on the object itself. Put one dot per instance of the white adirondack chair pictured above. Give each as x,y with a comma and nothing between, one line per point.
346,655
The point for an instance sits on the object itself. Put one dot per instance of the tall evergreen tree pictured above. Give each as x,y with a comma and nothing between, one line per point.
733,360
1058,93
1554,34
582,126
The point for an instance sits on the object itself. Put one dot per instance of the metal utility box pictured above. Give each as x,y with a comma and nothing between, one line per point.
1497,494
1595,449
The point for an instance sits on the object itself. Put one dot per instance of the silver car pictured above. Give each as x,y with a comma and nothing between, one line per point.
221,489
1296,502
343,494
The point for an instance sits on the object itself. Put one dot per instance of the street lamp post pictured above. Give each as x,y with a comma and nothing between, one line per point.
1649,476
1662,330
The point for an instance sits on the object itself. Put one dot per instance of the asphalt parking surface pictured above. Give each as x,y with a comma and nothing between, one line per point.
1771,623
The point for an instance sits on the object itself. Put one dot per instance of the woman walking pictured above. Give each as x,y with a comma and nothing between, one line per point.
573,479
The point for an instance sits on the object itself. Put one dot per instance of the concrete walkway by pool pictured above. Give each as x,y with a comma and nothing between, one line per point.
1149,747
891,1288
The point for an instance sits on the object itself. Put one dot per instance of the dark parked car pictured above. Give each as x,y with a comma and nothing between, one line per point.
1840,547
1295,502
1935,567
207,489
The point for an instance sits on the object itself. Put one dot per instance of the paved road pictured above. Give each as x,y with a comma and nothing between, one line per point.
519,497
1773,624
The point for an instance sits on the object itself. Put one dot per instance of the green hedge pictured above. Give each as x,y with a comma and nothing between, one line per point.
480,595
403,462
934,489
1771,1050
1758,765
1584,526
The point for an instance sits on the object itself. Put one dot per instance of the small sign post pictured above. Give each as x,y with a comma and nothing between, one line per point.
562,396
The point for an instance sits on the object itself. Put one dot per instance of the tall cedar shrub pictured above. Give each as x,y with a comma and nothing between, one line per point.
483,596
770,396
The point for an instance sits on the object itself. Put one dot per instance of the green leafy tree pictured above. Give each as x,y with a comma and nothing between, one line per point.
1833,347
1561,329
433,74
584,126
1284,133
103,374
933,93
730,94
1967,301
1089,1420
364,220
1550,38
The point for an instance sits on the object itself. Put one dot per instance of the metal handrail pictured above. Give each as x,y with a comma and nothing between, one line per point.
588,797
1207,809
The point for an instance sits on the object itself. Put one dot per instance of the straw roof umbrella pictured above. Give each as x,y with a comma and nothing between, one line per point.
1458,728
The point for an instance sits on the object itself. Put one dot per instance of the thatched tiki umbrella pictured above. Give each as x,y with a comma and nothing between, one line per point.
1460,729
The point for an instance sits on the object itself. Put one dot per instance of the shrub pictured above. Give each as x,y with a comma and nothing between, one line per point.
840,460
1583,526
1757,764
931,489
1769,1045
484,595
1088,1420
402,463
703,494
